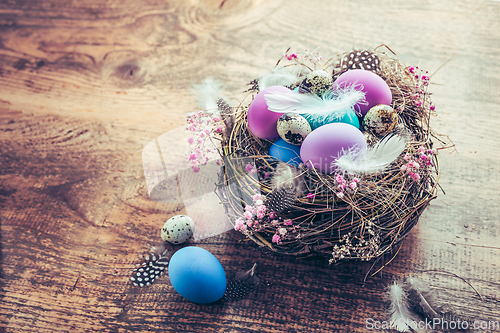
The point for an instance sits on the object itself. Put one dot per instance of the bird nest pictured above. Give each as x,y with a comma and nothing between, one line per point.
341,216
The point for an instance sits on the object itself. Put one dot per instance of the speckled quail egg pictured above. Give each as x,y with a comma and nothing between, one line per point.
370,138
177,229
317,82
293,128
380,120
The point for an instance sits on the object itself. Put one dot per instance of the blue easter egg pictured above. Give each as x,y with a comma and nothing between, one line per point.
285,152
197,275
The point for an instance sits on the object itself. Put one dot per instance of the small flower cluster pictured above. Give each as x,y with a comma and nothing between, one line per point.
311,57
202,124
423,79
357,246
344,185
418,162
253,215
281,232
256,217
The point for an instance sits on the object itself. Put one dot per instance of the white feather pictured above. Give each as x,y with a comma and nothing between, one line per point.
402,317
287,176
279,76
374,159
289,101
207,94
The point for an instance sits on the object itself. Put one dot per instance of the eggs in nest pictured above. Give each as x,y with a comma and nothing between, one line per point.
293,128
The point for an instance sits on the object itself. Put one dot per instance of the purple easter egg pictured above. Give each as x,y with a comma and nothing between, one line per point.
375,88
328,142
261,121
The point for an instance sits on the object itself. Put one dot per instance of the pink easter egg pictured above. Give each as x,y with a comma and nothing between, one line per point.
261,121
328,142
375,88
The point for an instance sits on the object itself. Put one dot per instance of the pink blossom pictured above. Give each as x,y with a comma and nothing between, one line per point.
272,215
193,157
248,215
260,215
288,222
291,56
248,208
407,157
193,128
310,196
238,224
243,228
415,176
356,180
258,202
274,223
256,197
266,175
404,167
282,231
249,167
353,185
276,238
411,69
217,162
200,140
261,209
421,149
432,108
196,168
340,194
216,118
190,140
249,223
219,128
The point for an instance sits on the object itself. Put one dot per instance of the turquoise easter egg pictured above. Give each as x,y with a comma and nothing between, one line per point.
286,152
318,120
197,275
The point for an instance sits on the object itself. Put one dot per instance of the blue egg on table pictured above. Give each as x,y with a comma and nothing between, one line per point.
285,152
197,275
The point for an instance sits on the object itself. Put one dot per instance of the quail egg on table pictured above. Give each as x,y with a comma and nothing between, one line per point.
293,128
177,229
380,120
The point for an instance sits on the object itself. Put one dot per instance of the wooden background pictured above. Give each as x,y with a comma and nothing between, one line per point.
85,85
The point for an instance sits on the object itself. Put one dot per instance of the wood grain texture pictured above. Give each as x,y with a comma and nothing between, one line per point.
86,85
